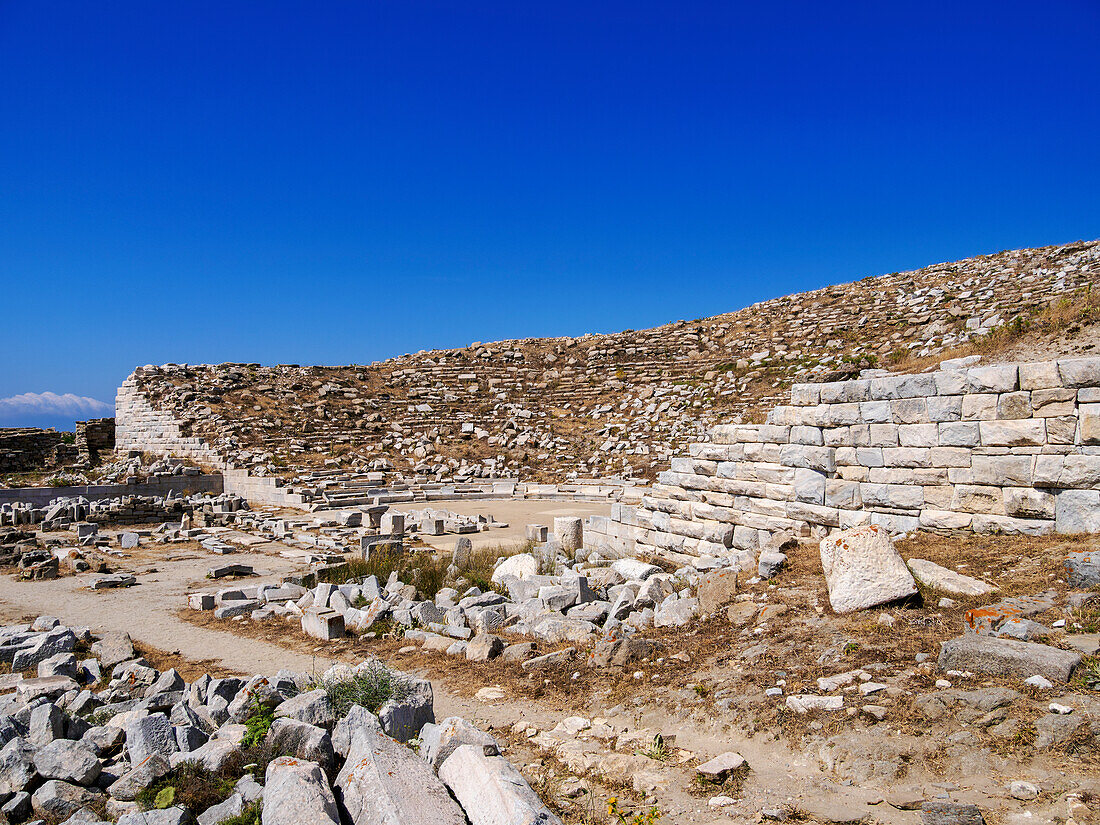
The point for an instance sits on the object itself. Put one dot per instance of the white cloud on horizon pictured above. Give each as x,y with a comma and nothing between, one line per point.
50,403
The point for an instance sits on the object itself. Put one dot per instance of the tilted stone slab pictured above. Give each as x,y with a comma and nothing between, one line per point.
385,783
296,792
938,578
1008,657
862,569
491,790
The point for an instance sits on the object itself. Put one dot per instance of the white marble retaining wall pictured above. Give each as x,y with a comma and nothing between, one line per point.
1011,448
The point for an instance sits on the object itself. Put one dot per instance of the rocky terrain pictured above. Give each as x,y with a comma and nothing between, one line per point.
619,404
110,738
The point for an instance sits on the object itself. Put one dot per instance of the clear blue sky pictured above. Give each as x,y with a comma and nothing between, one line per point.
341,182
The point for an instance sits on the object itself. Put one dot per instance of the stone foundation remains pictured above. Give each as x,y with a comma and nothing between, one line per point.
1012,448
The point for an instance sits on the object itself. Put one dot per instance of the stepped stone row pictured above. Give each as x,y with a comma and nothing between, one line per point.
1012,448
623,404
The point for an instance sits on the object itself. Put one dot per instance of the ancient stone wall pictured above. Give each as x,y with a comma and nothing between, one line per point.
93,437
27,449
138,426
1011,448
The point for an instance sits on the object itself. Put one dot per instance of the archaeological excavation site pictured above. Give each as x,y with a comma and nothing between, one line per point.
830,558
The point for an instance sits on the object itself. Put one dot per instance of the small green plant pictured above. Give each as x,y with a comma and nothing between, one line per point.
371,686
101,717
621,817
1089,673
258,724
164,798
656,750
850,648
249,816
700,690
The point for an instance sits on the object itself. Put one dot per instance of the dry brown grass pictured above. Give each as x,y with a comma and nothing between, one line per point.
1065,316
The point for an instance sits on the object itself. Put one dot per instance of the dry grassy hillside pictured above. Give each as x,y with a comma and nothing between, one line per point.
621,404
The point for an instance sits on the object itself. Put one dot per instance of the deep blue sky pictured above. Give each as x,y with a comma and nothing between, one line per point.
346,181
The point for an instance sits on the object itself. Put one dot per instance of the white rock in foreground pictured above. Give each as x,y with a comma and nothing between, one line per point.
385,783
942,580
862,569
522,566
491,790
296,792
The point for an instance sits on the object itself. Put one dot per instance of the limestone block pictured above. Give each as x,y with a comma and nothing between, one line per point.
385,782
843,495
1014,405
1080,372
950,456
861,435
813,458
806,435
1090,423
883,435
903,386
920,476
322,623
854,518
296,792
1047,471
950,382
1024,502
979,407
944,580
1007,657
813,514
862,569
838,436
1062,430
944,520
845,456
875,412
959,434
1053,402
1000,378
1088,395
1077,471
993,523
894,523
938,496
491,790
918,435
905,456
1039,375
945,408
909,411
804,395
837,415
809,486
971,498
1027,432
853,473
1078,511
869,456
898,496
1001,470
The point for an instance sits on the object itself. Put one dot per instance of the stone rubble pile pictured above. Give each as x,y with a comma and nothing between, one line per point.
620,404
65,511
88,740
546,595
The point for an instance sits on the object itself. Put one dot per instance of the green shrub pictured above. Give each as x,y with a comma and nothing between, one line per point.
370,687
258,724
249,816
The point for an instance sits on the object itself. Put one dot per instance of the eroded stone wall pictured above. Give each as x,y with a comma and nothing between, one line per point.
1011,448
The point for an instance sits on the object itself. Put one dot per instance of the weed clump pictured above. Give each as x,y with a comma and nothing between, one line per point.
371,686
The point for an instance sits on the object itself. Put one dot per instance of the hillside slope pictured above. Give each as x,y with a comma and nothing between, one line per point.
620,404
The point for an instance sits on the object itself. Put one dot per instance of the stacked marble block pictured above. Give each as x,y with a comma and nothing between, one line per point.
1011,448
138,426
